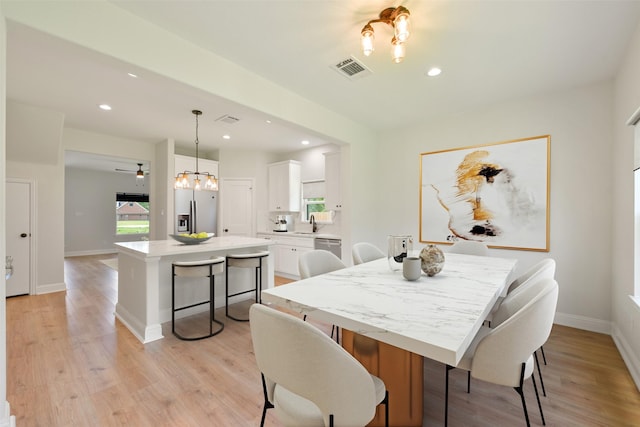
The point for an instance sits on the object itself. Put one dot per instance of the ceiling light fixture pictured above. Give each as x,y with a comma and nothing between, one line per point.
435,71
398,19
139,172
105,107
182,179
305,142
226,136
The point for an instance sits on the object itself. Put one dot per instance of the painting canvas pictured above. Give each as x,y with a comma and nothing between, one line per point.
496,193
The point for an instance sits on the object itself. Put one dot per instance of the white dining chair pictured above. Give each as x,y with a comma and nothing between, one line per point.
469,247
543,268
364,252
308,378
318,261
504,355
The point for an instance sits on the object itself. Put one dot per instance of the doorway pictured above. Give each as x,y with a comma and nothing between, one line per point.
20,196
236,210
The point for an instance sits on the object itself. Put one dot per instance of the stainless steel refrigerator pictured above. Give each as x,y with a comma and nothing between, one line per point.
196,211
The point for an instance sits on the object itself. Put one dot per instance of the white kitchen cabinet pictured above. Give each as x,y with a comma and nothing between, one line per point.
284,186
287,251
332,181
186,163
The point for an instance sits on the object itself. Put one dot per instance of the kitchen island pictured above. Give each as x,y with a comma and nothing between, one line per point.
144,279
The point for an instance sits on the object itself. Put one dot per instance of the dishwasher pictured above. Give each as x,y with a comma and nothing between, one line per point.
332,245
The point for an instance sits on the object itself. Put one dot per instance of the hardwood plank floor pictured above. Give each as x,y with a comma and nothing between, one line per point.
70,363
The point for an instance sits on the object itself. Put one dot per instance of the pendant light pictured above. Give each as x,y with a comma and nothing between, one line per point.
182,179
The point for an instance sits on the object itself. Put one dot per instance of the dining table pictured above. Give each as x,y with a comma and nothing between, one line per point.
435,317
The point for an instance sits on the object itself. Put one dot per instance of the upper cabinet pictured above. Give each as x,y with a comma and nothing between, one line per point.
284,186
332,168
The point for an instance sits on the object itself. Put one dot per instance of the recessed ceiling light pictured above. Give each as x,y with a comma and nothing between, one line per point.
435,71
105,107
135,76
305,142
226,137
268,122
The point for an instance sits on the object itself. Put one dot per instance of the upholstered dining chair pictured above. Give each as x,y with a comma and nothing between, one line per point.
469,247
316,262
308,378
364,252
504,355
543,268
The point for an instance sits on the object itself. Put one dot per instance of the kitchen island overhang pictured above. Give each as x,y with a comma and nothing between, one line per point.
144,278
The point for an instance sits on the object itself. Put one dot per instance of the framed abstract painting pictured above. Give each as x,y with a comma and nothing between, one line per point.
495,193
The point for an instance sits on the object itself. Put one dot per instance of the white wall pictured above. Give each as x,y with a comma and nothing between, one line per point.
5,411
626,314
579,122
90,202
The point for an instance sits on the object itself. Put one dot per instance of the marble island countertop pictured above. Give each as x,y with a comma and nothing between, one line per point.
301,234
160,248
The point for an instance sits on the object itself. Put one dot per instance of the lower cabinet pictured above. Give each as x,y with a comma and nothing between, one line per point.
287,251
286,260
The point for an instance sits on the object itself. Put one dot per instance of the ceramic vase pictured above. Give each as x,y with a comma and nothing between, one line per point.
432,260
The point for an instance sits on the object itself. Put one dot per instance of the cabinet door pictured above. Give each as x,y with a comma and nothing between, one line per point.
277,187
286,259
284,187
332,179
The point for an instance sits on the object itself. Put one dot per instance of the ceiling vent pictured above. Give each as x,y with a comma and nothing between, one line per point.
228,119
351,68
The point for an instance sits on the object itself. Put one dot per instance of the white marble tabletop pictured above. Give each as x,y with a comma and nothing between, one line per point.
159,248
436,317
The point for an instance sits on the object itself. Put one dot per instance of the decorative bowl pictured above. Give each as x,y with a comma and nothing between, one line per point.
188,240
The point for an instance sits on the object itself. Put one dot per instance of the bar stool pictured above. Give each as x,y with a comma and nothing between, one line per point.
249,260
201,268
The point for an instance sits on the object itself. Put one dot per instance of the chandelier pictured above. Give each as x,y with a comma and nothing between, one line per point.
182,179
398,19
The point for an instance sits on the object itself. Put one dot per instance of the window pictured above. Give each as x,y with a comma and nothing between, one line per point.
312,205
132,213
313,201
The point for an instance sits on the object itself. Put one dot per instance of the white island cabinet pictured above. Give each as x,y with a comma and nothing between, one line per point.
144,279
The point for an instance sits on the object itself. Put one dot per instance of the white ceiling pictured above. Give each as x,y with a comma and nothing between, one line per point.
490,52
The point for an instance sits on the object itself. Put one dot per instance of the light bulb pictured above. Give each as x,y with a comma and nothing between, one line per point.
367,40
398,51
401,26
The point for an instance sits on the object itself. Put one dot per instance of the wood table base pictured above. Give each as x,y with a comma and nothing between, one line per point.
402,373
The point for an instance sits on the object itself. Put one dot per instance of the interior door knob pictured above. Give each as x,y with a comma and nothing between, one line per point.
23,235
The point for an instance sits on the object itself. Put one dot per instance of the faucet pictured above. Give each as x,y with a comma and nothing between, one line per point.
314,226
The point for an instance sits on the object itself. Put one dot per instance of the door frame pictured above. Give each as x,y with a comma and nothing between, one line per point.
221,202
32,226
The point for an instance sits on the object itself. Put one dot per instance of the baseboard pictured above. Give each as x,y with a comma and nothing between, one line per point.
6,419
144,333
51,288
629,357
88,253
582,322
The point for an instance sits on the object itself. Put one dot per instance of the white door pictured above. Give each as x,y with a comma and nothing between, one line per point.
18,239
236,207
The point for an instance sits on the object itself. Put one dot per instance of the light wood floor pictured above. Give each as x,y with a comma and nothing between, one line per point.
70,363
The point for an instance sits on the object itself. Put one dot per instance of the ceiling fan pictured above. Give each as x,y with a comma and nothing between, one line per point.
139,173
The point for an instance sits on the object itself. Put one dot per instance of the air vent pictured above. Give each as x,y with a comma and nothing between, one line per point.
351,68
228,119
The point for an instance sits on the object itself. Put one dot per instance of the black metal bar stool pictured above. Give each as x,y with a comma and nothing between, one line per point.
249,260
201,268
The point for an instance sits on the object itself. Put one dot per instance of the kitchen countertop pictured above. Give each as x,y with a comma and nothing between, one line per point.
160,248
301,234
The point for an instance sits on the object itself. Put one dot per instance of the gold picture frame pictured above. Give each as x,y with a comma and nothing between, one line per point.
495,193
